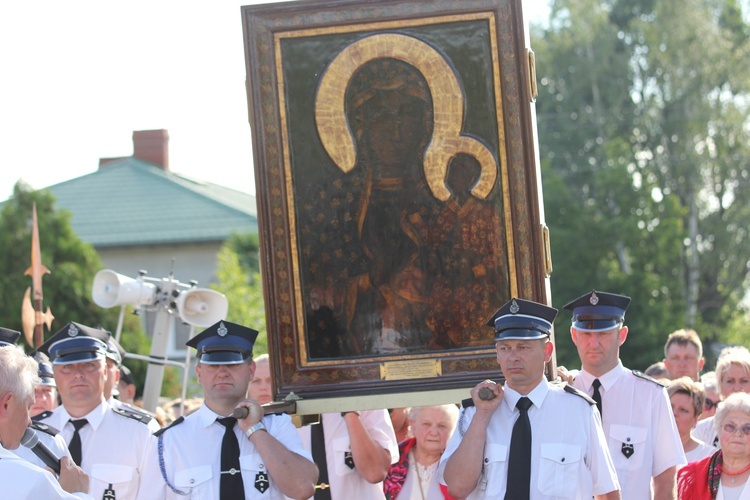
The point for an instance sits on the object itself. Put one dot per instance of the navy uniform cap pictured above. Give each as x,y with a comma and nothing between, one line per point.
126,375
8,336
224,343
598,311
76,343
522,319
45,369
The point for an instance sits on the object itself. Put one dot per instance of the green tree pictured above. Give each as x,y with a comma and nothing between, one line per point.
73,264
643,141
239,279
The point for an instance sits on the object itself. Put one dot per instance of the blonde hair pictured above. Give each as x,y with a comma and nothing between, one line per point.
687,386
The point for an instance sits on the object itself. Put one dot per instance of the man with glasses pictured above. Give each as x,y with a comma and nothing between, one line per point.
635,409
109,444
683,355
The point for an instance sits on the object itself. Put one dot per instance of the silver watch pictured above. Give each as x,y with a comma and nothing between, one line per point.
253,428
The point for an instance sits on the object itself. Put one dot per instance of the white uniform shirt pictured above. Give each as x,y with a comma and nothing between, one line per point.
23,480
569,457
637,418
192,458
700,452
114,449
49,437
346,483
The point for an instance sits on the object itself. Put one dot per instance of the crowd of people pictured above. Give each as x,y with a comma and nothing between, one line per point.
70,428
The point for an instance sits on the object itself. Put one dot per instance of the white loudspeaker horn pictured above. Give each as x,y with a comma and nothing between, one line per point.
202,307
112,289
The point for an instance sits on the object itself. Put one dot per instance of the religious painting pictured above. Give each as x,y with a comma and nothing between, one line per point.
397,188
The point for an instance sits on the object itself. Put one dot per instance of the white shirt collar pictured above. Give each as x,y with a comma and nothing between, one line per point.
94,417
607,380
537,395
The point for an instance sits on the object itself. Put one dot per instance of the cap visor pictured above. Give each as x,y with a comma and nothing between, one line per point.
222,358
596,325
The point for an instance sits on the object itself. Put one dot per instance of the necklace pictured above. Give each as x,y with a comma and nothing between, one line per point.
733,479
427,470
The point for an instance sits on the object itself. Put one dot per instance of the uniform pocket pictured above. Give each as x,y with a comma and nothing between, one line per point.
121,479
495,464
558,469
628,446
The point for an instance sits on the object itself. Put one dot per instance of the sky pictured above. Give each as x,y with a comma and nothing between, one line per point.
79,77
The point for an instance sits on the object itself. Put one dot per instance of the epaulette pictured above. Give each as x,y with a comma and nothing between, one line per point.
40,426
135,415
572,390
41,416
646,377
165,429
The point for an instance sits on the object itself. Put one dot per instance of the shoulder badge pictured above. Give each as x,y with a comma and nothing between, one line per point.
646,377
572,390
135,415
41,416
165,429
42,427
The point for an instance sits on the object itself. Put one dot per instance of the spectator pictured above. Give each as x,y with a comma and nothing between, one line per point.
711,389
261,388
413,476
657,371
683,355
733,372
686,397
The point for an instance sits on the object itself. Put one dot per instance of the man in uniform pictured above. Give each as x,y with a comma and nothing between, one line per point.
19,478
636,413
530,439
212,454
683,355
109,444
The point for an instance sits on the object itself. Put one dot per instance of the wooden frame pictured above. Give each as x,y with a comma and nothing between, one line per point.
398,196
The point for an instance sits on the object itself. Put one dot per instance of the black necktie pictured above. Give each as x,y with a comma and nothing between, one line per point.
231,486
519,464
75,442
597,396
318,446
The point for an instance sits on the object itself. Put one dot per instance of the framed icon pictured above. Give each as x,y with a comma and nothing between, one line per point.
398,193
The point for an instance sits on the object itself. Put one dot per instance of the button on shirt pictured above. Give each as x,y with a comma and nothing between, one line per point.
21,479
192,452
114,449
346,483
569,457
637,413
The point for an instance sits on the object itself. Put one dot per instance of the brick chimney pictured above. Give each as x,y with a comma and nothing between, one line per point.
152,146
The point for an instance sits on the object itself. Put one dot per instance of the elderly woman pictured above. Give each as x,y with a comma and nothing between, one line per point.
723,475
711,387
687,399
413,476
733,374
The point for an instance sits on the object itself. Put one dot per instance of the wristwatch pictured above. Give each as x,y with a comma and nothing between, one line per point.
253,428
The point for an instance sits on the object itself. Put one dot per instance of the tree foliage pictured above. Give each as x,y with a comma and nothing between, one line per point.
73,264
643,130
238,278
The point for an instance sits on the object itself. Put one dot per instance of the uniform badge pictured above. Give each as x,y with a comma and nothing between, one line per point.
72,331
627,450
222,330
348,459
261,481
594,300
514,307
109,493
